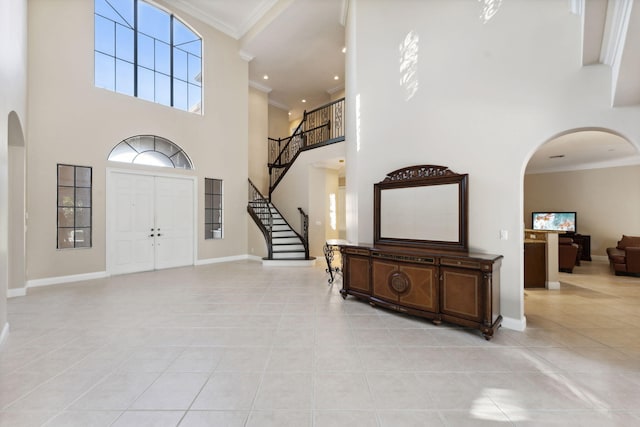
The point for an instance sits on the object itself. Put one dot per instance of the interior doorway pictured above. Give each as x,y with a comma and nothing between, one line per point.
571,188
150,221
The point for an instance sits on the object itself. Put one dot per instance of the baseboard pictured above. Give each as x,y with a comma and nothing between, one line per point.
553,285
288,262
225,259
17,292
4,334
66,279
515,324
601,258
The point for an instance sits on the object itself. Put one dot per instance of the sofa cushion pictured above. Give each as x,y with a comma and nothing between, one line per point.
616,256
628,241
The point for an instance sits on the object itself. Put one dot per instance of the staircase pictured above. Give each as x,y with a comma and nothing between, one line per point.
283,242
319,127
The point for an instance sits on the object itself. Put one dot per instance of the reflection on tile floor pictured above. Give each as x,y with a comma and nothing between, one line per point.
238,344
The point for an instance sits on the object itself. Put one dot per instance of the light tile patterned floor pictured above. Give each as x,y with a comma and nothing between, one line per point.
237,344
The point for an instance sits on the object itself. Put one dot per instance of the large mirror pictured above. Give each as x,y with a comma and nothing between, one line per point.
422,207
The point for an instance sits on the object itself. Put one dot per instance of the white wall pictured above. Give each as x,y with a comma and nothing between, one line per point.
258,134
606,208
71,121
488,95
13,113
307,185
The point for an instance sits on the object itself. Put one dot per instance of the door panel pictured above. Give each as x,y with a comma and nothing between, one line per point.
133,219
174,222
423,290
152,223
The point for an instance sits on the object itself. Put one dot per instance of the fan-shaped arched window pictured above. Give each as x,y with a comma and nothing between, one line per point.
150,150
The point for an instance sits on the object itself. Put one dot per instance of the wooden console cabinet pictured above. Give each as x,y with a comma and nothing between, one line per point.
419,262
460,288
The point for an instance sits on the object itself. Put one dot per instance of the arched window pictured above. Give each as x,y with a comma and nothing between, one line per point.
146,52
150,150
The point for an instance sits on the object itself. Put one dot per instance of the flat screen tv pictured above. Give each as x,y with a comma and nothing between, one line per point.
554,221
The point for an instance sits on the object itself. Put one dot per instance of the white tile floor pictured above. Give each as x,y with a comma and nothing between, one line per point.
241,345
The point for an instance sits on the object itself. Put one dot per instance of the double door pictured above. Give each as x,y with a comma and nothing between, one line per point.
151,222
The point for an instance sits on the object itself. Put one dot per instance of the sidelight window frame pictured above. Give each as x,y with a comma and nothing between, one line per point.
72,209
213,209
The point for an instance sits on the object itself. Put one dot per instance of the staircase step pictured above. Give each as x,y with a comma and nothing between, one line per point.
288,248
286,240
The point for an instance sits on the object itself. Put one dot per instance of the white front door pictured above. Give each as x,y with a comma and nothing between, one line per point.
151,222
174,222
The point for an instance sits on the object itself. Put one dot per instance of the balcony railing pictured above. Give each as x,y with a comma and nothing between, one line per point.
319,127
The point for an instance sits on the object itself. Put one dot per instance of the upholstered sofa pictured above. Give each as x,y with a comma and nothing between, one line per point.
625,257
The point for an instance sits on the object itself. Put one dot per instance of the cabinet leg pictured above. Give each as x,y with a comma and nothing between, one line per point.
436,322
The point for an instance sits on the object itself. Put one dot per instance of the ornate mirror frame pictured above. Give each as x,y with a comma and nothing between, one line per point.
423,202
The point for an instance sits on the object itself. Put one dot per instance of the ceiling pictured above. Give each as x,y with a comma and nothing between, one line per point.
298,45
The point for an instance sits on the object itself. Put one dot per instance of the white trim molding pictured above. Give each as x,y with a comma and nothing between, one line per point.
515,324
4,334
35,283
17,292
553,285
288,262
223,259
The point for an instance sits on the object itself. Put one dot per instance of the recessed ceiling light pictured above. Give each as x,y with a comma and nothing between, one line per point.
344,49
557,156
304,100
336,77
289,112
266,77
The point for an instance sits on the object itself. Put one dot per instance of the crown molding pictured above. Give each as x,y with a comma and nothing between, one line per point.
260,87
333,90
246,56
279,105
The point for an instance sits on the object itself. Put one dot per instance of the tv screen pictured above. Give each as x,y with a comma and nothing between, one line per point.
556,221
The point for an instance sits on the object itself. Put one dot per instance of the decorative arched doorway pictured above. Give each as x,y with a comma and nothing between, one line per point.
581,172
150,214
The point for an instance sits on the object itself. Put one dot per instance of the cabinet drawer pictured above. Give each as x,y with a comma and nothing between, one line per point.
462,263
354,251
404,258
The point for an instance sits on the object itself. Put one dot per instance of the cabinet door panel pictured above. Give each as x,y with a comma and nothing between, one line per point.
357,270
383,272
462,293
422,292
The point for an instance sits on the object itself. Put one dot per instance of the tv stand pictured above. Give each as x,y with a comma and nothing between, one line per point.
584,240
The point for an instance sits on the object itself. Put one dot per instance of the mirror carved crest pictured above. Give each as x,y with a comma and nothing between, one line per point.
422,207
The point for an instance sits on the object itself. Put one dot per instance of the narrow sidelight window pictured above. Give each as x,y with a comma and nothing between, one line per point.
212,208
74,206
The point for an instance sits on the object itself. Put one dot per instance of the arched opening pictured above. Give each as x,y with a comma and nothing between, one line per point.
585,175
16,207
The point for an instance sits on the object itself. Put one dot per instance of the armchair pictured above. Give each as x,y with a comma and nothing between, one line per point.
567,254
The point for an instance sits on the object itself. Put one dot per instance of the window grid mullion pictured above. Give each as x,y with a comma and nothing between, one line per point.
135,48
